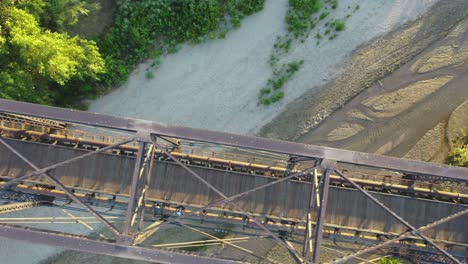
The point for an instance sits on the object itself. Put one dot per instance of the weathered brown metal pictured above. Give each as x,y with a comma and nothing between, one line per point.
324,187
396,216
250,216
136,184
400,237
222,138
307,247
63,188
109,173
145,132
48,168
145,179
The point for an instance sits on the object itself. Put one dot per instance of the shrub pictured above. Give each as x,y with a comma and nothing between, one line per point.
301,18
149,75
277,97
265,91
339,25
459,155
299,15
324,15
148,28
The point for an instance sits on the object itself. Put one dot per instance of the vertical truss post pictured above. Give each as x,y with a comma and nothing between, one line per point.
309,229
324,187
132,199
145,179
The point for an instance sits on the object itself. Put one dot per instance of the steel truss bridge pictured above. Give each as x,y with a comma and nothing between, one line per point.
137,178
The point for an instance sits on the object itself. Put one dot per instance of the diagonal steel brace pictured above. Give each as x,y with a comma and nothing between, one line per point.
402,236
224,200
48,168
396,216
64,189
250,216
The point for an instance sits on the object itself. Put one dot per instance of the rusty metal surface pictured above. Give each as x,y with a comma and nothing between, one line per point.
324,189
346,207
136,125
399,218
402,236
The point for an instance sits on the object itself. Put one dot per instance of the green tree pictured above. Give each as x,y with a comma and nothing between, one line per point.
63,13
2,42
37,63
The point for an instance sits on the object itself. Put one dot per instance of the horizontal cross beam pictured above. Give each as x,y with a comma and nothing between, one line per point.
223,138
103,247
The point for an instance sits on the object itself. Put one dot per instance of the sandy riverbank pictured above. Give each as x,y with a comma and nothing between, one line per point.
368,64
215,85
409,107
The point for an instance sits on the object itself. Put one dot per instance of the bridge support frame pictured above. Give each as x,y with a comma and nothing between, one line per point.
150,129
318,231
397,217
70,194
135,188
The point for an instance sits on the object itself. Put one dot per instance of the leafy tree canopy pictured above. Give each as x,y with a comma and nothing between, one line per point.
36,62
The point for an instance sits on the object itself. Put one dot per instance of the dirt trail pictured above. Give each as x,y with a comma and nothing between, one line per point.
404,108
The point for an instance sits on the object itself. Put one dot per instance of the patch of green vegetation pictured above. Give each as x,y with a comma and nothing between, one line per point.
299,15
334,4
324,15
43,64
458,156
39,65
143,26
302,18
339,25
149,75
389,260
271,93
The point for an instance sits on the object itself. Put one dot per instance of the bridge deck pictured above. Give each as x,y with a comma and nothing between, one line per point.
111,173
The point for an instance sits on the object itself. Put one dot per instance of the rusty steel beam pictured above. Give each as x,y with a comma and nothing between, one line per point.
134,189
103,247
307,247
145,179
223,241
248,215
51,167
400,237
397,217
63,188
231,198
324,187
222,138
